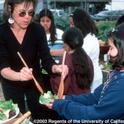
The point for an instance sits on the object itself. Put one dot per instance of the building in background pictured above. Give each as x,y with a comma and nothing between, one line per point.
91,6
115,5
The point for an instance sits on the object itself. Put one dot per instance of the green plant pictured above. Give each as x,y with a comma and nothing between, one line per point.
62,22
103,28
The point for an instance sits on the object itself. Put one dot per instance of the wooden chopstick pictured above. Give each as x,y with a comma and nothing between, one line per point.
35,81
22,118
61,85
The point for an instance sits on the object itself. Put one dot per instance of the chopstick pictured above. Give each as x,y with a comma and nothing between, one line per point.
22,118
35,81
61,85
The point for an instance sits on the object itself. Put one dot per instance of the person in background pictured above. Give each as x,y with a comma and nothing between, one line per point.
54,40
19,33
80,65
53,34
106,103
82,20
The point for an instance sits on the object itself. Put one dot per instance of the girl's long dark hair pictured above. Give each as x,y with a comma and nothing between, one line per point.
83,67
81,61
46,12
117,36
120,20
83,21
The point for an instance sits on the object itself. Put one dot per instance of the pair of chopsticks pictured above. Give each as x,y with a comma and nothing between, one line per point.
61,85
35,81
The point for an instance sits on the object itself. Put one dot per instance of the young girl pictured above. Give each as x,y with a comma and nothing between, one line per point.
54,40
53,34
82,21
80,66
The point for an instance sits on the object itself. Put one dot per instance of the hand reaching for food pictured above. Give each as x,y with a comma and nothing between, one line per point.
25,74
50,104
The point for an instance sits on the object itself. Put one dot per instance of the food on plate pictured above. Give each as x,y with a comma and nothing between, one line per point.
7,110
46,97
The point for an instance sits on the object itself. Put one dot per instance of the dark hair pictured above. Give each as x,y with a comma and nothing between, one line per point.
120,20
118,39
83,21
10,4
81,61
48,13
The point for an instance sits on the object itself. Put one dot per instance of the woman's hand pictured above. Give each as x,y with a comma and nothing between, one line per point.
62,69
63,97
25,74
49,105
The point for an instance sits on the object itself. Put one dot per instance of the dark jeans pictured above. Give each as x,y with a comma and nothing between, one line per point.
17,93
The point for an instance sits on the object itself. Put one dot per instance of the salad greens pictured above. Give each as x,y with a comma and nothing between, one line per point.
5,105
2,116
5,108
46,97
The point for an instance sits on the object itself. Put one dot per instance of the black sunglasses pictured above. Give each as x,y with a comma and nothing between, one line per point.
23,13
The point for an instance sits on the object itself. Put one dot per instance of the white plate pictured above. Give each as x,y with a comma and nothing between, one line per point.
5,121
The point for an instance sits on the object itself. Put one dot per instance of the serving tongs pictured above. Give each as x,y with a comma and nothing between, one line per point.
21,119
35,81
61,85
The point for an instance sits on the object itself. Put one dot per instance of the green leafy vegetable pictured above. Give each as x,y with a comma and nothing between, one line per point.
6,107
46,97
2,116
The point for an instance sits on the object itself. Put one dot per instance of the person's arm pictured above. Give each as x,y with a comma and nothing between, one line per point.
109,106
24,74
5,70
86,99
9,74
55,79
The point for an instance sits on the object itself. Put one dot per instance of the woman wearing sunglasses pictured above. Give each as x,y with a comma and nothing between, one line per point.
20,34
